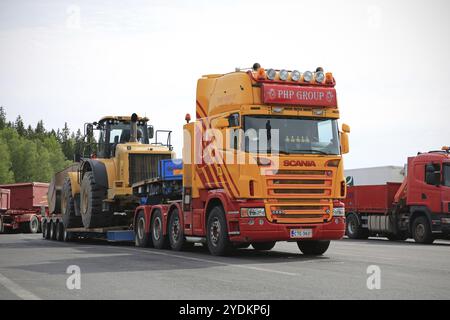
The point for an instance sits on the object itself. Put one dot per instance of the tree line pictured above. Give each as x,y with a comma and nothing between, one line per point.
34,154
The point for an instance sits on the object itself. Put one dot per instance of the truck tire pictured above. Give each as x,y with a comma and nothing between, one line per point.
353,228
217,233
33,225
313,247
48,227
421,231
52,230
160,241
59,231
69,218
2,226
176,233
91,203
44,228
263,246
67,236
141,238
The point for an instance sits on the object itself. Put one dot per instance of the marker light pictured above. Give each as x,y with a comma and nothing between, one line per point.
329,78
284,75
295,75
307,76
271,73
261,75
320,77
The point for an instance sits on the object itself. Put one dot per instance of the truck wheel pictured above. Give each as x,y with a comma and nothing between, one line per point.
91,202
313,247
159,240
60,231
217,233
69,218
52,230
33,225
354,229
2,226
141,238
44,228
48,228
176,233
67,236
263,246
421,231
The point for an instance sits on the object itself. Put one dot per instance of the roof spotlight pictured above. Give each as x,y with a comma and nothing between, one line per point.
284,75
295,75
320,77
307,76
271,73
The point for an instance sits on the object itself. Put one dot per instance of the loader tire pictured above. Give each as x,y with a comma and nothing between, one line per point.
91,203
69,218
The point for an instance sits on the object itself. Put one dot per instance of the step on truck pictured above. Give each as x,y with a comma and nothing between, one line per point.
21,206
417,208
262,163
93,197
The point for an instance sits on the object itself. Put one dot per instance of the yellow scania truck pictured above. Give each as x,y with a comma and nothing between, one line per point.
262,163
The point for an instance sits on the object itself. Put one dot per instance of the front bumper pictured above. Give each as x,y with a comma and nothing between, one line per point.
261,230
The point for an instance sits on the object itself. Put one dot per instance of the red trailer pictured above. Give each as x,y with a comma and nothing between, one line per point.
418,208
21,206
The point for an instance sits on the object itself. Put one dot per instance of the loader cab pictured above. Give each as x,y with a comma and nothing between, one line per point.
104,136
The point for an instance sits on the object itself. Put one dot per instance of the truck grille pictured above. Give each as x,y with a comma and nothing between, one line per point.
145,166
299,196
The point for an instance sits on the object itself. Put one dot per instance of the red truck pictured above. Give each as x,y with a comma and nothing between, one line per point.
418,208
21,205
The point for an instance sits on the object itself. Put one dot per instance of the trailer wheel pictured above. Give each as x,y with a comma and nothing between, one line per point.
313,247
142,238
69,218
44,228
159,240
421,231
354,229
263,246
60,231
48,228
176,233
91,202
217,233
52,230
2,227
67,236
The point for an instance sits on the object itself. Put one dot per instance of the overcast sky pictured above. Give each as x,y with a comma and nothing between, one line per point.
74,61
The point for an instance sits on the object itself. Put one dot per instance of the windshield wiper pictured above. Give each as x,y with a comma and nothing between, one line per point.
309,150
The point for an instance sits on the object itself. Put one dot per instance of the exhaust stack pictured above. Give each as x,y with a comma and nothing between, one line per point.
133,128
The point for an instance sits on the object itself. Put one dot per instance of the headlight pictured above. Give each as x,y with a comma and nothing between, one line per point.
253,212
284,75
339,212
295,75
271,73
320,77
307,76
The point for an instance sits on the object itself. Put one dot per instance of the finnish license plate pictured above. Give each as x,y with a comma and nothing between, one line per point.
301,233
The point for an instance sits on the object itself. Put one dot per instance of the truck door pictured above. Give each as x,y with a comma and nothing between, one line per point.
431,187
445,190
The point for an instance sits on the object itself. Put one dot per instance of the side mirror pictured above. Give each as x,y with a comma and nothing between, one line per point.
345,148
151,132
89,129
345,128
220,123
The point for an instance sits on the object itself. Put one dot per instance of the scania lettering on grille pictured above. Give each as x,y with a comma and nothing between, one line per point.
299,163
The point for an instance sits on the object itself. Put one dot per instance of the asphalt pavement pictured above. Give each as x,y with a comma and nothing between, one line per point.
33,268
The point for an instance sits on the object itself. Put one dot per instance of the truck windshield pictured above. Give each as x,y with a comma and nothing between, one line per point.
295,135
447,174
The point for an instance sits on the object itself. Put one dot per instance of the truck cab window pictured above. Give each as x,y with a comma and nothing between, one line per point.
446,178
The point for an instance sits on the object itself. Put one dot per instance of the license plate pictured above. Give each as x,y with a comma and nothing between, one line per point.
301,233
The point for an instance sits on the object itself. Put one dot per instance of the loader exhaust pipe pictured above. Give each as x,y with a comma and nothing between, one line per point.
133,128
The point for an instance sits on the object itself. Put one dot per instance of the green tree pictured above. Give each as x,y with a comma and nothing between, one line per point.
19,125
6,174
3,122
